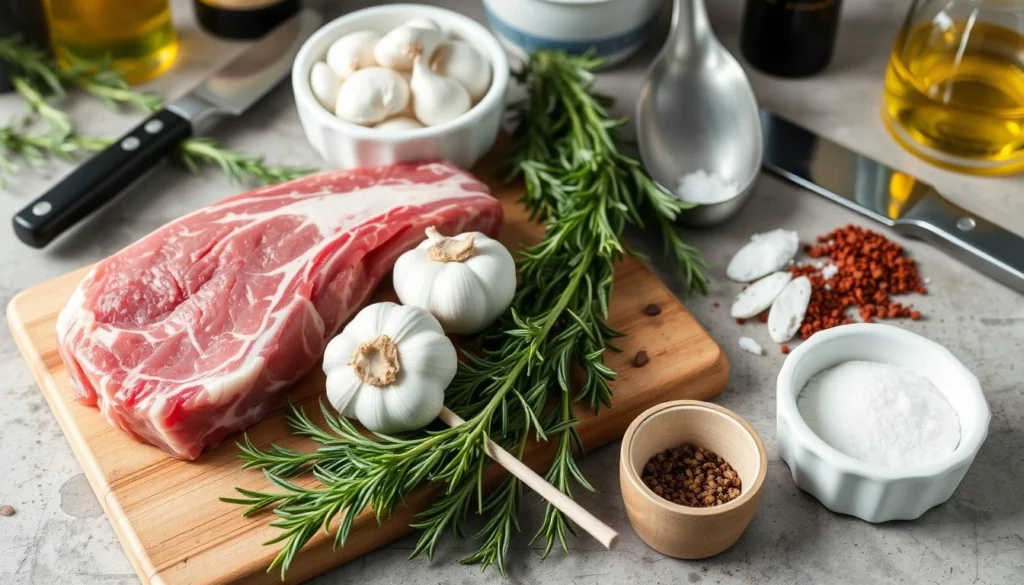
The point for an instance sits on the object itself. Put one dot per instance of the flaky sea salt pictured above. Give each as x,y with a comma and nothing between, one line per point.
881,414
705,188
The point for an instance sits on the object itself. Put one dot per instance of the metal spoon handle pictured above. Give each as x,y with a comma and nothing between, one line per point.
690,28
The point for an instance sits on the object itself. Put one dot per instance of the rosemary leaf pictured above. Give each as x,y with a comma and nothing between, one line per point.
104,82
32,63
59,122
194,152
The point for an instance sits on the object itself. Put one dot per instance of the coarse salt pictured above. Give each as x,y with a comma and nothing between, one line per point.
880,414
705,188
828,271
750,346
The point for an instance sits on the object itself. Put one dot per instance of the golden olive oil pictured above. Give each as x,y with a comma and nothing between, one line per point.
136,35
954,94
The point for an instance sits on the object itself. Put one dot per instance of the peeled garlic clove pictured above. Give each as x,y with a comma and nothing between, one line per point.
460,61
423,22
371,95
401,46
399,123
325,84
437,98
759,296
352,52
788,310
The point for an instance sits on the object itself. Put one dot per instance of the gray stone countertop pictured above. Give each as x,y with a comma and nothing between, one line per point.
59,535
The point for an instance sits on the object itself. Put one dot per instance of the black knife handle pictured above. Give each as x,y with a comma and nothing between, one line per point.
100,179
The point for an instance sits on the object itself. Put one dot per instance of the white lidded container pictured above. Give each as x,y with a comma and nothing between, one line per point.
463,140
613,28
849,486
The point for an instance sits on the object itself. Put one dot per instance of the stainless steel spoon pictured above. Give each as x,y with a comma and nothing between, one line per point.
697,111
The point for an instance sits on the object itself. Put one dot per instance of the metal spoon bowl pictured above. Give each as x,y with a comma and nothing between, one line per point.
697,111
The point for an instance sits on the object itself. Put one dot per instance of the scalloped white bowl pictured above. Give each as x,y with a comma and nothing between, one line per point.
462,141
849,486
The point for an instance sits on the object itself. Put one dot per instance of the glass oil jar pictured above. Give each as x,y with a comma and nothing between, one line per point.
954,88
137,36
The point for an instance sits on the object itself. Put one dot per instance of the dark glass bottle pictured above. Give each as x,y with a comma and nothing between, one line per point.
243,19
27,20
790,38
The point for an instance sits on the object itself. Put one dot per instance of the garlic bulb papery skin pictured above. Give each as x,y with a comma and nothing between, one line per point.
465,281
325,84
389,368
399,123
400,47
423,22
372,95
352,52
460,61
437,99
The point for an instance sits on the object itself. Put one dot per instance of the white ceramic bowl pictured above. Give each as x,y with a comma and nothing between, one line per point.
613,28
849,486
463,140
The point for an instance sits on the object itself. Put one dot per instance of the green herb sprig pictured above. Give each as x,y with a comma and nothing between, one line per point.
42,83
587,190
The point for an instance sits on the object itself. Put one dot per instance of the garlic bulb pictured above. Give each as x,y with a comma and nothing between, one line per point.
389,368
466,281
325,84
460,61
372,95
399,123
438,98
352,52
400,47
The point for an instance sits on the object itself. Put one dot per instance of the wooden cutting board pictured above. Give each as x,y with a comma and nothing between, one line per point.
166,513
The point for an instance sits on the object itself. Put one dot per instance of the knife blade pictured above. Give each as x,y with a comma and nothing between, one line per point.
229,91
904,203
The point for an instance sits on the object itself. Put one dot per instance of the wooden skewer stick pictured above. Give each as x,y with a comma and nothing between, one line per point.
577,513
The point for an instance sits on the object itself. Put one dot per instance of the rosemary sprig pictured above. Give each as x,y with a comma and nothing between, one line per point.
42,83
106,84
59,122
580,181
194,152
32,63
49,79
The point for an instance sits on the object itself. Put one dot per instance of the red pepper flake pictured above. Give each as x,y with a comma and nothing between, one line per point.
784,349
763,317
740,321
716,304
869,270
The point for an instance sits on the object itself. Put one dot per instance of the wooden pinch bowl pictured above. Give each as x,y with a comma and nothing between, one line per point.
686,532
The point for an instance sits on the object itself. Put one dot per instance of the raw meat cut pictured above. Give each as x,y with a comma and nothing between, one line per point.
185,336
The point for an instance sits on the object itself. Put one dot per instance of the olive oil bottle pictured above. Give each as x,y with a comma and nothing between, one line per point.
136,35
954,93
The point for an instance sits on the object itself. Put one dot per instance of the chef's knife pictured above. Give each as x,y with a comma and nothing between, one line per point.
229,91
900,201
